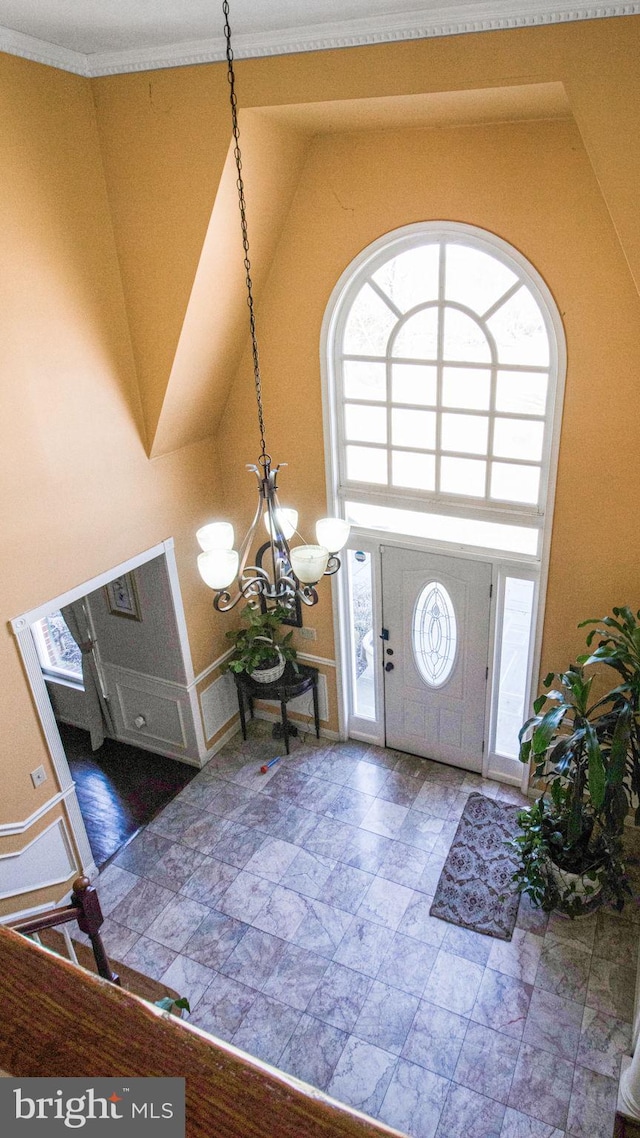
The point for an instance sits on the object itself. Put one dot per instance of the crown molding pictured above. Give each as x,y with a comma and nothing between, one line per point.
453,19
40,51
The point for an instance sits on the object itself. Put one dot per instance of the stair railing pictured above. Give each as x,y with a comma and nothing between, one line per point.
84,907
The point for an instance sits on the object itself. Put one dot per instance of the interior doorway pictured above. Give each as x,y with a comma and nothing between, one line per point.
150,713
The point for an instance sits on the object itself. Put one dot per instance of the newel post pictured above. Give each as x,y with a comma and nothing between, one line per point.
90,920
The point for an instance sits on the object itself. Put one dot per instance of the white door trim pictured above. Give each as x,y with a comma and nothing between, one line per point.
21,626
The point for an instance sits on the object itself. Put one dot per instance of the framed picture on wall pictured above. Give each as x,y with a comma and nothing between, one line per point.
122,597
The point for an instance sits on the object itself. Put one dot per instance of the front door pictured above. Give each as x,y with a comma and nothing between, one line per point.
436,612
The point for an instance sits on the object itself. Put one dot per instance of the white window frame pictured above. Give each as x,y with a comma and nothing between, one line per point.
338,491
360,273
367,730
49,670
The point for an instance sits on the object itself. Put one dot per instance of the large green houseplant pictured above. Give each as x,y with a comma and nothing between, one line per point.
585,752
619,648
259,649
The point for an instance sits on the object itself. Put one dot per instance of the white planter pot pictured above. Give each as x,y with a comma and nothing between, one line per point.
565,880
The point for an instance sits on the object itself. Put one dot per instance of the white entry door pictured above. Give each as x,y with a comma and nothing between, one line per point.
436,612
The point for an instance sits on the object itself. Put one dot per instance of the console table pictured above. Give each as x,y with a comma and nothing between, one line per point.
290,685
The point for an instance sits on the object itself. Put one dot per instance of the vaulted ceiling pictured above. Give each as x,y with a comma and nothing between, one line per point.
181,231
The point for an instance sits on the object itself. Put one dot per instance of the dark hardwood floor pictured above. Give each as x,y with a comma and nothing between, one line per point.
119,788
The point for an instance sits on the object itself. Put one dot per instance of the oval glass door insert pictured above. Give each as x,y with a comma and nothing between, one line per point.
435,634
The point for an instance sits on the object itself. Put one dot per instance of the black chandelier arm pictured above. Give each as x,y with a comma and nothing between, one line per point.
307,594
287,585
254,573
273,545
333,564
263,586
278,590
259,585
275,514
247,544
223,601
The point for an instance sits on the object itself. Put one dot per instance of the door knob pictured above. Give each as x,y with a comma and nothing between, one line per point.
388,666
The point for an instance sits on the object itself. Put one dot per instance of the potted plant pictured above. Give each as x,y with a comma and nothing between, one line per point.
619,648
258,649
571,839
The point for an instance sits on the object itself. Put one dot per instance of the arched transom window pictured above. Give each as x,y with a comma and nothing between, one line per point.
444,382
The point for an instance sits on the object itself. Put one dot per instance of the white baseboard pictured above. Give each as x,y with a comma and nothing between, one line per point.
219,744
505,779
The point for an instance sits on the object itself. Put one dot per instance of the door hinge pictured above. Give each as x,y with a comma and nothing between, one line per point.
483,746
384,635
486,674
491,590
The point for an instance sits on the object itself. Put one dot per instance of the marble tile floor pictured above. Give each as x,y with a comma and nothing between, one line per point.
292,909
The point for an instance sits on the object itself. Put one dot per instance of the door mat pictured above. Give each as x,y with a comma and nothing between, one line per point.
475,889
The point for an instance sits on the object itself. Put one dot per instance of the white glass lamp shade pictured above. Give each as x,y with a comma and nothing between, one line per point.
309,562
215,535
332,533
218,567
287,520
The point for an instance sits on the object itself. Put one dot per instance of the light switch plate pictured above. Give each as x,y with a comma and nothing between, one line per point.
38,776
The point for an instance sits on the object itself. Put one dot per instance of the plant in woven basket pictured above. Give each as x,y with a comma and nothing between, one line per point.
259,646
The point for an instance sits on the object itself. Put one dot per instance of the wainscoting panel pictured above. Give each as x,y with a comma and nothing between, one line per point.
152,713
47,860
219,704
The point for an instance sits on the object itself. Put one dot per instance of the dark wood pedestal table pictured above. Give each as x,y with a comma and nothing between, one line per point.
290,685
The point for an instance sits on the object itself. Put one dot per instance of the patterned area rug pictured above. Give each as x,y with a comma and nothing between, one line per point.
475,889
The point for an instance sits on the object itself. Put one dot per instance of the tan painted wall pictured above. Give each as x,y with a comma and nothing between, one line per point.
98,269
531,184
78,493
566,196
165,138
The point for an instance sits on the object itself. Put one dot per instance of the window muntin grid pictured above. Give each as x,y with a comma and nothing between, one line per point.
454,354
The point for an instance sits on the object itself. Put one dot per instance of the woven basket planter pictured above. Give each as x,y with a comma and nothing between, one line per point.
270,675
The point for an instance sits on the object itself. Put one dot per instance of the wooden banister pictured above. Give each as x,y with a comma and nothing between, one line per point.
85,909
60,1020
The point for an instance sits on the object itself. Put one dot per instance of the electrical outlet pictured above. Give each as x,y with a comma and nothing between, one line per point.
308,633
38,776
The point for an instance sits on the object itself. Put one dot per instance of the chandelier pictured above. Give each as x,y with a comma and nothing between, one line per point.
282,571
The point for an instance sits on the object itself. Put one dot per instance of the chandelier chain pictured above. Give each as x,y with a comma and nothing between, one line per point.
264,457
